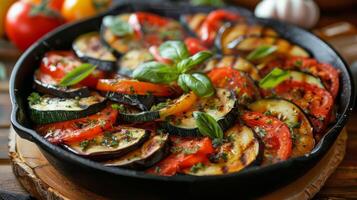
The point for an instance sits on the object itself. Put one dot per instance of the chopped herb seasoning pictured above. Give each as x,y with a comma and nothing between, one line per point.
157,169
298,63
34,98
195,168
261,132
110,140
119,107
132,90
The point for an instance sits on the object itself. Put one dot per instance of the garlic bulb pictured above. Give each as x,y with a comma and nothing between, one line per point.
304,13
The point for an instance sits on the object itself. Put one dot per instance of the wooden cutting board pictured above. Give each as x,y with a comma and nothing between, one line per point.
43,181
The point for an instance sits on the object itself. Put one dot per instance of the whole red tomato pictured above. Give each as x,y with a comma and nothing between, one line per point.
24,27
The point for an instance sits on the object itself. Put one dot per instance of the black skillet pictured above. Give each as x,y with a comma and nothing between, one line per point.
125,184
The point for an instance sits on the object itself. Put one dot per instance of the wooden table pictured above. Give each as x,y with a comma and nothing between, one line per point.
342,183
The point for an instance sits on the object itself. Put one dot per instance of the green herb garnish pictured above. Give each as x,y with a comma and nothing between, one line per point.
119,107
207,125
155,72
195,168
34,98
174,50
77,74
117,26
274,78
261,52
200,84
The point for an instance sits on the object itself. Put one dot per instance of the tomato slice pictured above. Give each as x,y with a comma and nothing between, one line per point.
79,129
326,72
229,78
194,45
274,133
57,64
315,101
186,152
212,23
126,86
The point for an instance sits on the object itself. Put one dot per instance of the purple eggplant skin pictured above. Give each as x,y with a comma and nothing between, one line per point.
110,154
158,143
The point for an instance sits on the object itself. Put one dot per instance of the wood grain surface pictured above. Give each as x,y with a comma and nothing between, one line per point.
342,184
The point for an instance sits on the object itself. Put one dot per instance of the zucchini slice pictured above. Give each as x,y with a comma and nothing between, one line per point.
59,91
159,111
294,117
51,109
242,38
242,150
132,59
222,107
151,152
307,78
235,62
89,48
111,144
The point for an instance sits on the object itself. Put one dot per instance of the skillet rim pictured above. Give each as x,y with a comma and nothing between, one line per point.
321,148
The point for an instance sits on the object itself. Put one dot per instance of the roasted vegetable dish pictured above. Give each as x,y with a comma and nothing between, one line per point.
205,94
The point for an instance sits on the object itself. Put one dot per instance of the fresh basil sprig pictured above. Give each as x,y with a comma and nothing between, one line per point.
187,64
200,84
274,78
261,52
77,74
117,26
207,125
174,50
155,72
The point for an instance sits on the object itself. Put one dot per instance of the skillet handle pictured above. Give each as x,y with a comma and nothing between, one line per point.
22,131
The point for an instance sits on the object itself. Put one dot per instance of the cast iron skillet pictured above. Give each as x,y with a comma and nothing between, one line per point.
122,183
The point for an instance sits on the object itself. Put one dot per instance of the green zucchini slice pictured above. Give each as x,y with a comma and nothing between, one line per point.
51,109
294,117
307,78
132,59
151,152
242,150
111,144
89,48
222,107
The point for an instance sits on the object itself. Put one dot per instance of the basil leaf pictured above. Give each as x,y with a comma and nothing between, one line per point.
174,50
274,78
187,64
155,72
117,26
207,125
182,83
200,84
77,74
261,52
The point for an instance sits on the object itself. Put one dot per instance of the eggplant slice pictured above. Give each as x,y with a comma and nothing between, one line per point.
222,107
242,150
151,152
242,38
89,48
143,102
294,117
236,62
132,59
111,144
51,109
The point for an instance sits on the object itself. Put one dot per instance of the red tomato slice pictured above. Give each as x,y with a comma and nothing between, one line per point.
326,72
126,86
57,64
194,45
274,133
315,101
79,129
186,153
212,23
229,78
